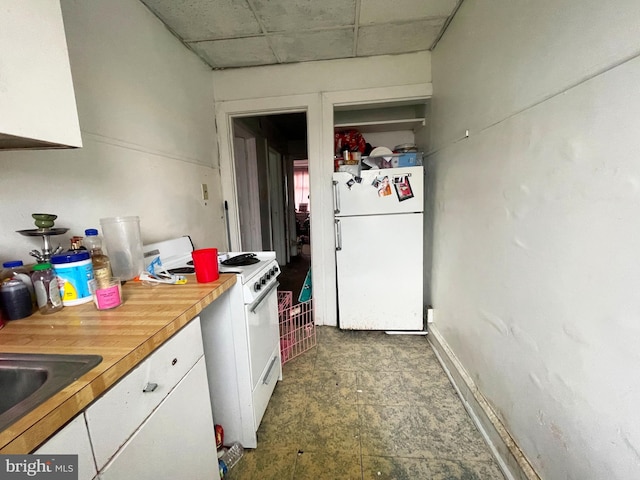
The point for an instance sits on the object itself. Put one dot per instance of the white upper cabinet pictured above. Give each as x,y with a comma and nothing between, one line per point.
37,102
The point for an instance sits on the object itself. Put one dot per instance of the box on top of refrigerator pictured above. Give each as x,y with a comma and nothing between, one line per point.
408,159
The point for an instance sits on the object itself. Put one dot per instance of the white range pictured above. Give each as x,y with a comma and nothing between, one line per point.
241,338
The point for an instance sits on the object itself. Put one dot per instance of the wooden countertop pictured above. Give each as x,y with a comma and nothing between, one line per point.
123,336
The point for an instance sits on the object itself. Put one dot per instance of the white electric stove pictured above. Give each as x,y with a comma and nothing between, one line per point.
241,337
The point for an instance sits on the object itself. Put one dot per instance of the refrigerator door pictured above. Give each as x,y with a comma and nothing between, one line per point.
392,190
379,272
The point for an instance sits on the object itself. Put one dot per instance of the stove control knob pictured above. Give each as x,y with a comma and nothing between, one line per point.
257,286
268,275
263,280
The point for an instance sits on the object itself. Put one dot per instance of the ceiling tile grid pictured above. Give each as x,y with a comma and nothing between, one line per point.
236,52
301,15
386,11
241,33
321,45
398,38
194,20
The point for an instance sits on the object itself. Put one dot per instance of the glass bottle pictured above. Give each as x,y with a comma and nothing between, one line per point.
45,284
100,261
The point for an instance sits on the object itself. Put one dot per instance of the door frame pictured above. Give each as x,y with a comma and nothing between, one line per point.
322,243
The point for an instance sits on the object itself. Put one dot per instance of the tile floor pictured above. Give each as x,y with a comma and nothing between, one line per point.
366,405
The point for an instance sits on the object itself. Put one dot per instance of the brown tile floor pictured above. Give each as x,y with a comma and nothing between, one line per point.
366,405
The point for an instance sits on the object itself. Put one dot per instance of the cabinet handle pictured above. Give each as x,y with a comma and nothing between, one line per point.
268,374
149,387
174,361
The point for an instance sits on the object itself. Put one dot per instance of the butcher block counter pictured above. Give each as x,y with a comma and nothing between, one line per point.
123,337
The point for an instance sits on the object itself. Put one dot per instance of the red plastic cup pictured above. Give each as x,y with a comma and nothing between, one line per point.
205,262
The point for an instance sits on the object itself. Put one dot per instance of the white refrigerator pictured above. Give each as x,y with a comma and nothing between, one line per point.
378,218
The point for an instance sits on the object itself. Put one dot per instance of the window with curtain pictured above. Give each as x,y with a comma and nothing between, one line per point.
301,187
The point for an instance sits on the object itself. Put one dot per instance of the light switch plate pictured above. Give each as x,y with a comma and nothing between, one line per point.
205,191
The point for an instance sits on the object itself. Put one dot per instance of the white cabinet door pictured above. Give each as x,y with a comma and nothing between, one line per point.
129,404
37,100
176,441
73,439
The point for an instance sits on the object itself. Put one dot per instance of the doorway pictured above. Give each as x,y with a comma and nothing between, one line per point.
271,164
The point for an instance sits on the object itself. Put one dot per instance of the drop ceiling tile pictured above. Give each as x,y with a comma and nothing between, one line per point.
398,38
194,20
238,52
384,11
303,47
297,15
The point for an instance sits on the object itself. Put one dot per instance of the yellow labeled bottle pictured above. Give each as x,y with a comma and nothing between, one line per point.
101,263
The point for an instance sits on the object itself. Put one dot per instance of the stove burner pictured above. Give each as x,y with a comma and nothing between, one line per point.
241,260
182,270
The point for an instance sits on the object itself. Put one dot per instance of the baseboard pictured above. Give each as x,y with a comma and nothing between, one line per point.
512,461
405,332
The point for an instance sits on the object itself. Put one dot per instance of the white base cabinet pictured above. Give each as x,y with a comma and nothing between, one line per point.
155,423
176,441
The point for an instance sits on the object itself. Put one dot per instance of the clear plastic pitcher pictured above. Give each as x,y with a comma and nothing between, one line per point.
123,243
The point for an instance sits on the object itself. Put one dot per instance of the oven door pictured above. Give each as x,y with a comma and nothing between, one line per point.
264,335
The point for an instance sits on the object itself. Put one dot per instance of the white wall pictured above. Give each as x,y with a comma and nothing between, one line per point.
145,105
536,272
322,76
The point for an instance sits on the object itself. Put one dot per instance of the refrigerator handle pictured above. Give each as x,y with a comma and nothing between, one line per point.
338,229
336,198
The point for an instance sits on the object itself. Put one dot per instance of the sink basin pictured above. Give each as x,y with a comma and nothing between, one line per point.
27,380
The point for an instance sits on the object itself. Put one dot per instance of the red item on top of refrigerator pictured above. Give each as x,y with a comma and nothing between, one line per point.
351,140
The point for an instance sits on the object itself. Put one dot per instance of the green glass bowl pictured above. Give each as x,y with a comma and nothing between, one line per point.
44,220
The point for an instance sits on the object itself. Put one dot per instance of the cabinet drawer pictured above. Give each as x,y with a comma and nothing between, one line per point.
119,412
263,390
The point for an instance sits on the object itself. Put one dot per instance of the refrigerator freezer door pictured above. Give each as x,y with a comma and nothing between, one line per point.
379,270
392,190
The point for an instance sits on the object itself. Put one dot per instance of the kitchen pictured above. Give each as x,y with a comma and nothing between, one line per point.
532,208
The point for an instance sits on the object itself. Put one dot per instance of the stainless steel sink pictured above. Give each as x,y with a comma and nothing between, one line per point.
27,380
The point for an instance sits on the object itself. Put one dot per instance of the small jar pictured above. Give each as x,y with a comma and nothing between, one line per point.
45,283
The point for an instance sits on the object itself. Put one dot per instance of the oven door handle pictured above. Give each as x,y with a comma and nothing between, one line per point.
265,380
256,304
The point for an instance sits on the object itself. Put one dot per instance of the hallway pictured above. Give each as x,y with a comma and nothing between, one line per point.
366,405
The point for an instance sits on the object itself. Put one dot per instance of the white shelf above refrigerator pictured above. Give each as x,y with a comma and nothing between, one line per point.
383,126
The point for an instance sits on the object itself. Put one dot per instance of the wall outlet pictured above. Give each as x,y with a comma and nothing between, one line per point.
205,191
